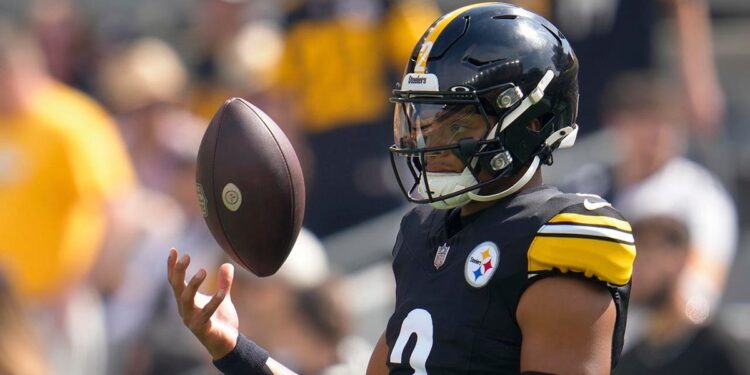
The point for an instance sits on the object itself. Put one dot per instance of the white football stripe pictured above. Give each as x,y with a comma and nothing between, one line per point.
587,231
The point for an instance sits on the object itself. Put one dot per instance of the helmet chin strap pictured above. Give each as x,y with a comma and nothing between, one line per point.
529,174
535,96
514,188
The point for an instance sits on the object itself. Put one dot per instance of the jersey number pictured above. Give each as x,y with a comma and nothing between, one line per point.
419,322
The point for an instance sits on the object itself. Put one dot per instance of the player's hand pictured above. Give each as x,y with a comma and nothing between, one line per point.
212,319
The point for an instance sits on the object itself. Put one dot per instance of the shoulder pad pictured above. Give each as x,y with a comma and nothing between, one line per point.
588,236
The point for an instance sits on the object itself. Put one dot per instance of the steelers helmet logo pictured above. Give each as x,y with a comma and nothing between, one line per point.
481,264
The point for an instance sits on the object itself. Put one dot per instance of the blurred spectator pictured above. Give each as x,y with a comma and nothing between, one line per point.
615,36
144,82
66,41
650,177
63,168
20,352
61,163
337,69
233,54
677,340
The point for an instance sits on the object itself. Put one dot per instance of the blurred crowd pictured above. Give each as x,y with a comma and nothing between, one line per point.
103,105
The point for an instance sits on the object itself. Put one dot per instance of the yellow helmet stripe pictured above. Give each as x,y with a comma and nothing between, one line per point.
434,33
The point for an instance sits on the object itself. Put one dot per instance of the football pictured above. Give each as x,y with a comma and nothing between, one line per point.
250,187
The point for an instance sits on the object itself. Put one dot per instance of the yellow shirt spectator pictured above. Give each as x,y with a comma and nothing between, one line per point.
336,67
60,161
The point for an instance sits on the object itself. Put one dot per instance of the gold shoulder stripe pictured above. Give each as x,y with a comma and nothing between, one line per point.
606,260
435,32
591,220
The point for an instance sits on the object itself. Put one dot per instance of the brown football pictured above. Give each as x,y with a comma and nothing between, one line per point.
250,187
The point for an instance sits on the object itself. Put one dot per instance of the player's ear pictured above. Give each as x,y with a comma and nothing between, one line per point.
535,125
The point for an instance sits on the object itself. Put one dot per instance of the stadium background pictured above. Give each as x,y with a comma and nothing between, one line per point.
322,69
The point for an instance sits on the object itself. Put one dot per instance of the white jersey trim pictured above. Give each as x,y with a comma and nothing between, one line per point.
585,230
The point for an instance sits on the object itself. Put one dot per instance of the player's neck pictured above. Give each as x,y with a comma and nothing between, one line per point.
476,206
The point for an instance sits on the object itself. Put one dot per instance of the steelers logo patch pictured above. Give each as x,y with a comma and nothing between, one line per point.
231,197
481,264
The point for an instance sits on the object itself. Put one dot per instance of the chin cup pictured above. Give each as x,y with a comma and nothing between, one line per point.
501,161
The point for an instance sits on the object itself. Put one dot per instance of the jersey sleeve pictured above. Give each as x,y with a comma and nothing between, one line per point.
589,237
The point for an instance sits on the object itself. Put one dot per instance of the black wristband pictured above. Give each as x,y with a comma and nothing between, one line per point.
247,358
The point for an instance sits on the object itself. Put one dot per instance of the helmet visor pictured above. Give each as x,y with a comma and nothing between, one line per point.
427,126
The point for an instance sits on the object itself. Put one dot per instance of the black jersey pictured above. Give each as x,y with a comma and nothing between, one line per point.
457,293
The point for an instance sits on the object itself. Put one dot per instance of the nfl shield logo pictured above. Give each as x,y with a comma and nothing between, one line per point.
442,252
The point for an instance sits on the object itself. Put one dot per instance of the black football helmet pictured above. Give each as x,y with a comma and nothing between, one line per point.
477,77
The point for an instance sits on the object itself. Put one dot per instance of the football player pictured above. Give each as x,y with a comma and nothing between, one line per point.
495,272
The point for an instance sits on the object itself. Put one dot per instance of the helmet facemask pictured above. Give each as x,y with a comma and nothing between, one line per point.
443,138
448,138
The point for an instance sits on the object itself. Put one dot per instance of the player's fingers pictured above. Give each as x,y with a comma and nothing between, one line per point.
210,307
171,261
187,298
178,275
225,278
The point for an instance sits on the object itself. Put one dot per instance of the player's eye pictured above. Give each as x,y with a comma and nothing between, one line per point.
458,128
